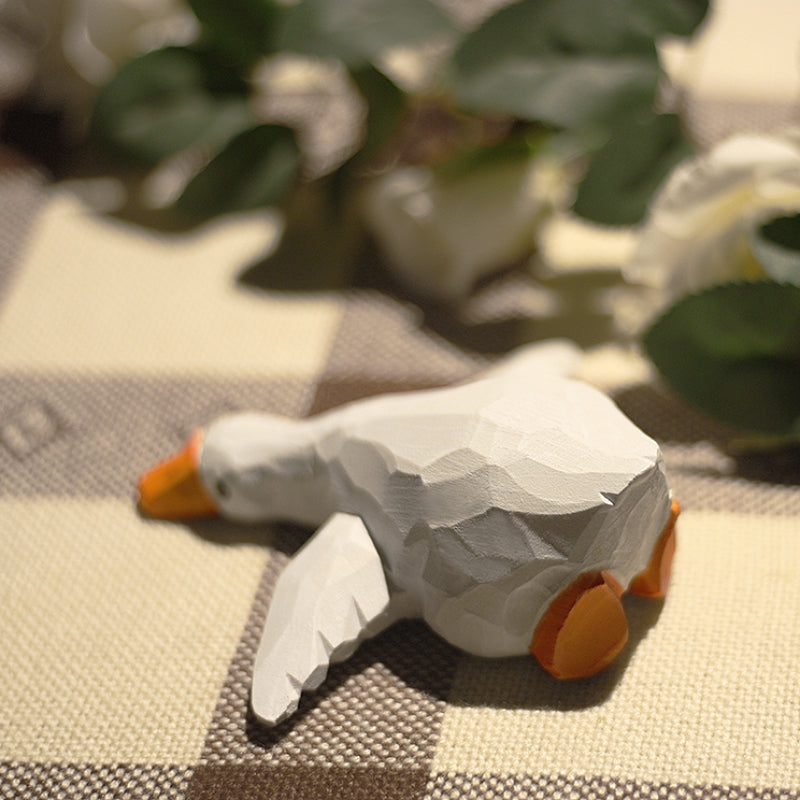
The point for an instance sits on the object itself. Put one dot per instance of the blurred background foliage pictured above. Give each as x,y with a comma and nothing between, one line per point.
581,68
449,137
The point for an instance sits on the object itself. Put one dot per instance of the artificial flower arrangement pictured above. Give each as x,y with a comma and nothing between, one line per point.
719,260
450,139
446,138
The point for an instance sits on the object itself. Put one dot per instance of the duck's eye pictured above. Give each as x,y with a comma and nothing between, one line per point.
222,487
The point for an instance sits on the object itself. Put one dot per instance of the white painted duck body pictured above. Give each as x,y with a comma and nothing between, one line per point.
475,507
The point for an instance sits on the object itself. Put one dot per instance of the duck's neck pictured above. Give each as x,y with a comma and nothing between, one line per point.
302,489
303,493
266,468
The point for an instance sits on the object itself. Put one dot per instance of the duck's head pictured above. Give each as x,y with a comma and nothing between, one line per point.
238,467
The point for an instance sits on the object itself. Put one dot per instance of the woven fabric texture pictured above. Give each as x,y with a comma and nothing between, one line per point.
126,645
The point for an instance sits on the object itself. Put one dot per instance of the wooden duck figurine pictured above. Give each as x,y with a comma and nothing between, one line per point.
510,513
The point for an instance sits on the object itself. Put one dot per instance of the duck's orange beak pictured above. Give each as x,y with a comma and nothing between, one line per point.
174,490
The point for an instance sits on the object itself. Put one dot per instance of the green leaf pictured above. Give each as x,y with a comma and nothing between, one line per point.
164,101
776,247
320,245
625,173
567,62
734,351
242,29
681,17
385,103
561,91
358,31
257,168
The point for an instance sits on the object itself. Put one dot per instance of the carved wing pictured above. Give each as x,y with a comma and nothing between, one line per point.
332,595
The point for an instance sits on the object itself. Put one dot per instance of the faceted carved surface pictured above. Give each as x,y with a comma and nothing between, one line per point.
483,501
322,605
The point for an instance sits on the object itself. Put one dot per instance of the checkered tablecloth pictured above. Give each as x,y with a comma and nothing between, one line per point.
126,644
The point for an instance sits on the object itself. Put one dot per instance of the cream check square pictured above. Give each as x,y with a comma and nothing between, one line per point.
708,696
116,635
98,294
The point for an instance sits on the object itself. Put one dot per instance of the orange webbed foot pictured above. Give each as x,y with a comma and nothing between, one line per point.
584,629
653,581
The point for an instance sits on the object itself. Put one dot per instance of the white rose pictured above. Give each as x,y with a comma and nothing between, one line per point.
696,233
81,43
441,233
99,35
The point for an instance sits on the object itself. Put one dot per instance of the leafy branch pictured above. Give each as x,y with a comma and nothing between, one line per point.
585,67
